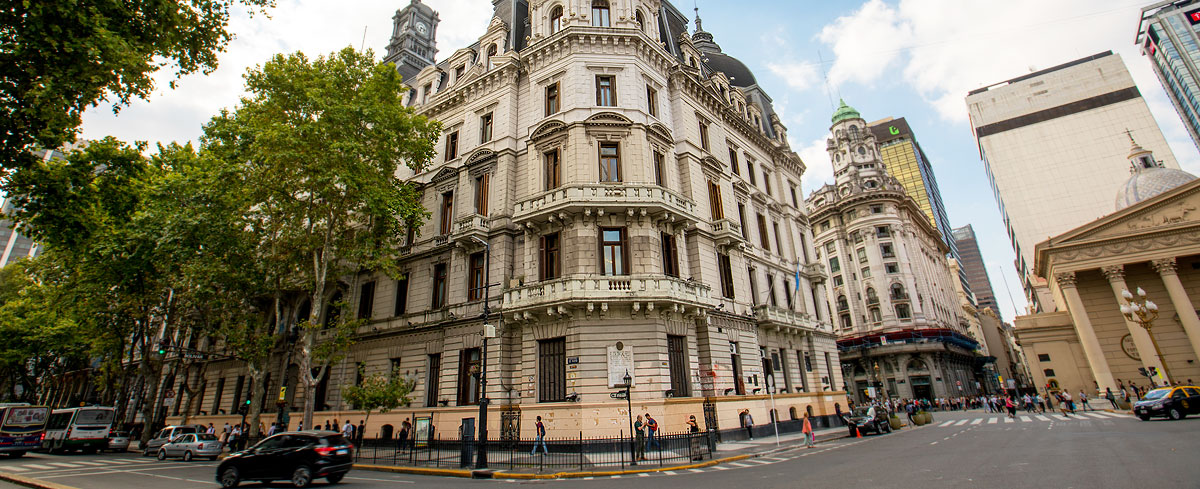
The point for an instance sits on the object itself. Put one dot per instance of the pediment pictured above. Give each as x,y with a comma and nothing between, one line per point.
1179,207
482,155
661,132
446,173
608,119
547,129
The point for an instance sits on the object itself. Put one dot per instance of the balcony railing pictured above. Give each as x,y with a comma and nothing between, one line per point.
768,315
620,197
727,233
473,225
597,289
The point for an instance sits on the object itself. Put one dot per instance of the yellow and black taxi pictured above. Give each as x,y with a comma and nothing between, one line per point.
1169,402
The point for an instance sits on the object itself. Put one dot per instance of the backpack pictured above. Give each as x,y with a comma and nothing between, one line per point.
653,425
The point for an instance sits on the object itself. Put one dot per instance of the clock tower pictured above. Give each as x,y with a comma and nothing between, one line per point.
412,46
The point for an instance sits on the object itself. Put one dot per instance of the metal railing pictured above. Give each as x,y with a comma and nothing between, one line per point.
559,453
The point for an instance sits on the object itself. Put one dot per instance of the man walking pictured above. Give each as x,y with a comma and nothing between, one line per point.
361,431
405,427
651,431
748,423
639,442
541,438
1083,400
348,431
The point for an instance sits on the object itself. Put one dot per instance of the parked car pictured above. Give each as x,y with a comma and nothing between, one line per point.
167,434
296,456
861,421
1168,402
118,441
191,445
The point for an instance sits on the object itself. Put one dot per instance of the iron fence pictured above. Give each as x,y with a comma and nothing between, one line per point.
557,453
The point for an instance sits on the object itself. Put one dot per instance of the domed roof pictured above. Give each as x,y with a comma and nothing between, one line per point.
739,74
1148,182
844,112
1149,177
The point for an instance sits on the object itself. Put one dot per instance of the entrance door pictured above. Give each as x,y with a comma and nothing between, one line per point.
921,387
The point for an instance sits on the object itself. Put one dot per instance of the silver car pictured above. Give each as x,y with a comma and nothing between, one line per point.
118,441
166,435
191,445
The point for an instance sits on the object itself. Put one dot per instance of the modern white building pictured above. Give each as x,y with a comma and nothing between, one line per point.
1053,143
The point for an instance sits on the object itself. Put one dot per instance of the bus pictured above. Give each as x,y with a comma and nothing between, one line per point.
22,427
81,428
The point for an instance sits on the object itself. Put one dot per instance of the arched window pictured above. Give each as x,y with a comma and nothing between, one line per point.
847,323
641,20
556,19
793,413
898,292
902,312
875,315
842,304
853,132
491,52
917,365
871,297
600,13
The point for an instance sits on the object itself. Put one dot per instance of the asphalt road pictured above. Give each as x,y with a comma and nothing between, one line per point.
973,449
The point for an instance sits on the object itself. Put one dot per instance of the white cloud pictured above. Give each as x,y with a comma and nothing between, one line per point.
799,76
863,42
315,27
819,170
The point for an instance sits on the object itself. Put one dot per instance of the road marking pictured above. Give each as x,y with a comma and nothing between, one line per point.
740,464
62,464
36,466
1025,419
588,478
394,481
718,467
669,472
943,425
960,423
934,443
94,464
993,420
615,477
1041,418
976,421
16,469
1008,420
1095,415
643,474
695,470
762,462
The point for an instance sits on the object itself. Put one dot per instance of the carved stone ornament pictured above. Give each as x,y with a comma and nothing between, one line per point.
1164,266
1113,273
1065,279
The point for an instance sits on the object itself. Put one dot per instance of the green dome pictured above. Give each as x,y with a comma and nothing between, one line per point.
844,112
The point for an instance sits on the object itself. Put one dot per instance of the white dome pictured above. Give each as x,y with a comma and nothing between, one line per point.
1148,182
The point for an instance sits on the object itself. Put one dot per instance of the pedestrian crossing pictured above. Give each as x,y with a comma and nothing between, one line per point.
75,464
1031,418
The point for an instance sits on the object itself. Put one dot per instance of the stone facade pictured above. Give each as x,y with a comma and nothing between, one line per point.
637,203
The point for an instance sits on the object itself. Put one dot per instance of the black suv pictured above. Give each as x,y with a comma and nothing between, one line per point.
298,456
861,421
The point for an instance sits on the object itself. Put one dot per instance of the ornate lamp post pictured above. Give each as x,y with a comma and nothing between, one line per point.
629,410
1144,311
879,380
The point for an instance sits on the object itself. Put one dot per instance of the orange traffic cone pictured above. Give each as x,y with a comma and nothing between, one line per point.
857,432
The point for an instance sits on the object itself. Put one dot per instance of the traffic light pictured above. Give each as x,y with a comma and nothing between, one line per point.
1142,370
162,347
1153,370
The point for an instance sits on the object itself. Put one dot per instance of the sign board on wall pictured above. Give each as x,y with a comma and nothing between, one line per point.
620,362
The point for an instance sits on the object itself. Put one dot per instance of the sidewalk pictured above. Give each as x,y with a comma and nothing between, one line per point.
728,451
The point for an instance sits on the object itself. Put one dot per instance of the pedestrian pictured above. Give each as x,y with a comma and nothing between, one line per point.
541,438
1083,401
235,436
909,408
348,431
748,423
651,431
1011,407
272,429
810,438
1069,401
327,425
361,432
1108,394
694,438
224,439
404,429
211,429
639,444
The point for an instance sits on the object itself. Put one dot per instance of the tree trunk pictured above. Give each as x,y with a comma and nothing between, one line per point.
150,377
257,373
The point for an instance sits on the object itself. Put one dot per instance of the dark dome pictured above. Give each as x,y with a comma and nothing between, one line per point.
731,67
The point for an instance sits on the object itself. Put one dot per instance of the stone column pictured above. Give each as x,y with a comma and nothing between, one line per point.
1116,278
1179,299
1087,335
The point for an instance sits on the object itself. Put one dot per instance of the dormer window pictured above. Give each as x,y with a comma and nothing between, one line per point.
600,13
491,52
1147,162
556,19
641,20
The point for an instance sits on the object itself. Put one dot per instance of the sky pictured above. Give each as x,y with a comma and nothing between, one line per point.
915,59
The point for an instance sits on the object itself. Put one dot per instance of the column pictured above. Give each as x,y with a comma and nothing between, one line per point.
1179,299
1083,327
1116,278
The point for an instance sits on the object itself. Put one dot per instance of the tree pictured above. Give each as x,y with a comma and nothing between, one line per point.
59,58
321,141
379,392
39,340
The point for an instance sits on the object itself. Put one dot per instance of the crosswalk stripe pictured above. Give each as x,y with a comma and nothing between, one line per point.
695,470
93,464
615,477
718,467
740,464
16,469
1041,418
762,462
36,466
120,461
62,464
1111,415
1095,415
943,425
669,472
976,421
1008,420
993,420
960,423
1025,419
643,474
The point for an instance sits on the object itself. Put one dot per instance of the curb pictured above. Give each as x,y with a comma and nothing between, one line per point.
31,482
467,473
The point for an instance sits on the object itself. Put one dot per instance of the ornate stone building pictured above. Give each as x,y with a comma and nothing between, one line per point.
1151,242
623,197
895,307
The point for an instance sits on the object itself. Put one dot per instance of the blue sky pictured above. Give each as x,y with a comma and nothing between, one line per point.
900,58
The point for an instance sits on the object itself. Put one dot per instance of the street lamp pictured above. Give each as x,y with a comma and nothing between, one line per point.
1144,311
489,331
629,410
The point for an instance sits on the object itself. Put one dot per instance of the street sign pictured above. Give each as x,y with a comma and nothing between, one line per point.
617,395
169,398
282,393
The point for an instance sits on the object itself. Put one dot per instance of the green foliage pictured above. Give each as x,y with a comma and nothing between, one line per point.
380,392
38,340
59,58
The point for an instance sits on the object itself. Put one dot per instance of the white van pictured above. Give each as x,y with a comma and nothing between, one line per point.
167,434
81,428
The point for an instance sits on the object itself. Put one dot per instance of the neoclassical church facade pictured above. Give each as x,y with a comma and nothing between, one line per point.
621,196
900,324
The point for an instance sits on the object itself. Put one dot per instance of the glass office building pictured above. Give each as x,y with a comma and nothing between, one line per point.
1167,36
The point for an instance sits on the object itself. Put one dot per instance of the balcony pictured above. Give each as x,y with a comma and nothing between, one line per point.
785,320
727,233
599,292
632,199
470,227
813,271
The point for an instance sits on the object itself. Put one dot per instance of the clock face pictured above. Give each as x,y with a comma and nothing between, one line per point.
422,28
